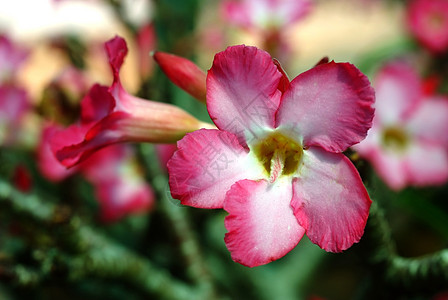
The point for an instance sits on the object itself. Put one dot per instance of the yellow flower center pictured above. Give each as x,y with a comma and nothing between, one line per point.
395,139
279,154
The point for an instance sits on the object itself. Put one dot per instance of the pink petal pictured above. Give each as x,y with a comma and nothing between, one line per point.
398,93
116,51
97,104
11,58
329,200
426,165
47,163
236,12
284,81
242,94
329,106
290,11
261,224
205,166
119,185
430,121
389,166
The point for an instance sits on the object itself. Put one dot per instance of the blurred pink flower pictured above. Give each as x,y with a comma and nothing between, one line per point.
111,115
275,164
265,14
428,21
408,142
11,58
118,183
268,19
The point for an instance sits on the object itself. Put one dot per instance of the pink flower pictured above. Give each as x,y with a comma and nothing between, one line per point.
118,183
267,18
11,58
408,142
265,14
428,21
275,162
111,115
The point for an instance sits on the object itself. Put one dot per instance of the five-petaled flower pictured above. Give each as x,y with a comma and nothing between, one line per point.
275,162
111,115
408,142
428,21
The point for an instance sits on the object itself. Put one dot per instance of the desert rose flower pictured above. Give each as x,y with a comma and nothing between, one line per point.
408,142
111,115
268,19
428,21
275,164
265,14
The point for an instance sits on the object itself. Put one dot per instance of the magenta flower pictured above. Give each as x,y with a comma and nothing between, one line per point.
408,142
267,18
428,21
275,162
111,115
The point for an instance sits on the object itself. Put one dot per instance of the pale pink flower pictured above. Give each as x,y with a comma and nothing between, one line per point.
265,14
408,142
11,58
111,115
275,164
428,21
119,186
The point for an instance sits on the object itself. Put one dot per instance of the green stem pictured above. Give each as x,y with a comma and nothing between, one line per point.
427,272
196,269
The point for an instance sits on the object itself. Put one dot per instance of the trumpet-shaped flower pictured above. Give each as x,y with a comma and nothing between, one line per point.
408,142
275,162
428,21
111,115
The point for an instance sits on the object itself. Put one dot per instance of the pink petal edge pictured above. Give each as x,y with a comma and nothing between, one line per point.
328,106
261,224
330,200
